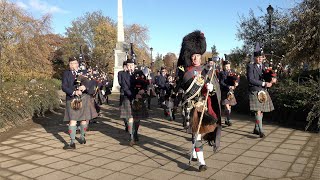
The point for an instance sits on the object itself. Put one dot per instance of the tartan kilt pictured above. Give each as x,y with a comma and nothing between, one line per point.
255,105
87,111
142,113
225,101
125,108
127,112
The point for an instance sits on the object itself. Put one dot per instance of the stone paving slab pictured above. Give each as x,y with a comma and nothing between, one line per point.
162,152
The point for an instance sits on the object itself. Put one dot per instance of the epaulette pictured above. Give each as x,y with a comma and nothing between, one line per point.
181,68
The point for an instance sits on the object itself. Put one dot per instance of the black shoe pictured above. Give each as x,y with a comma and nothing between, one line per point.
262,135
228,123
126,129
83,141
202,168
194,159
255,132
70,146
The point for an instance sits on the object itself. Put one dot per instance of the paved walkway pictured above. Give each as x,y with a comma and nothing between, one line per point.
162,152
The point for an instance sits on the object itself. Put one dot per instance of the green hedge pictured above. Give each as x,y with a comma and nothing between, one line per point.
295,104
22,100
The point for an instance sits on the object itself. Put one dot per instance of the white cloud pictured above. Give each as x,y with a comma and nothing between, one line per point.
22,5
44,7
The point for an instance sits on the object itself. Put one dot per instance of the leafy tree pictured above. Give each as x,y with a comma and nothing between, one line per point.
254,29
25,48
170,61
96,33
303,36
105,39
139,36
294,33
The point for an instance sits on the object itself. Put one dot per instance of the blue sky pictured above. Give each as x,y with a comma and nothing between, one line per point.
168,20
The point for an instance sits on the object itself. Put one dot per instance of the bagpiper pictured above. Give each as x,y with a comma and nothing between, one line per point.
259,97
228,80
79,104
200,87
133,108
121,75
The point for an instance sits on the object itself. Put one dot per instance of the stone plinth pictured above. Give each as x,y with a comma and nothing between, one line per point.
120,55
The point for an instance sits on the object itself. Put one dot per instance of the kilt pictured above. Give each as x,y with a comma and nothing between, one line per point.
255,105
225,101
125,108
127,112
87,111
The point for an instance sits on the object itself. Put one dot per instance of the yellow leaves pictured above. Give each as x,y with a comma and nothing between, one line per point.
25,50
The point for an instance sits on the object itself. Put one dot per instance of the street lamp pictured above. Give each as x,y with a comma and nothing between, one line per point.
151,49
172,68
270,12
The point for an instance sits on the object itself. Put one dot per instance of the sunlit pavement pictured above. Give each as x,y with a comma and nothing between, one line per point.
162,152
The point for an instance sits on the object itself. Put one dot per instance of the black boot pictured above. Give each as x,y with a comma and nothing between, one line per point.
82,141
70,146
228,123
262,135
202,168
256,132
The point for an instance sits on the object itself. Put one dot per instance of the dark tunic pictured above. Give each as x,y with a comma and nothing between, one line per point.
255,80
213,99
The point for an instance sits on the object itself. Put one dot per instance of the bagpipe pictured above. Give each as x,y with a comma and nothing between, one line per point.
140,87
268,75
76,102
232,79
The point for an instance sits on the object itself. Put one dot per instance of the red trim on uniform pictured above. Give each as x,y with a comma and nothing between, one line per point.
190,67
70,131
85,129
257,121
211,110
197,149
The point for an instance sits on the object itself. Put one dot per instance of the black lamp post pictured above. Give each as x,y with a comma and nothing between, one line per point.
270,12
172,68
151,49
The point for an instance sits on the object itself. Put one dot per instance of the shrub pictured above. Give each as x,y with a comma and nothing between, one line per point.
22,100
294,103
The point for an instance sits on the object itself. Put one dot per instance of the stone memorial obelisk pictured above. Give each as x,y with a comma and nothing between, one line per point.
120,54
